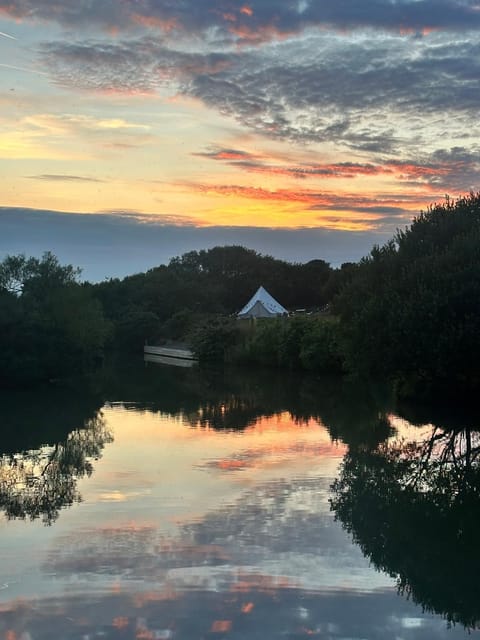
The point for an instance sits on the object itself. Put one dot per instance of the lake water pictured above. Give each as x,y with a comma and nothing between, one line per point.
155,502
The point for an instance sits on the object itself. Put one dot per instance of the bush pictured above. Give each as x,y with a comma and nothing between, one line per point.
302,342
213,340
321,346
135,328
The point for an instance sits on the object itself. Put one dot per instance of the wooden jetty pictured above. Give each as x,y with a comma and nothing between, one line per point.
172,362
168,354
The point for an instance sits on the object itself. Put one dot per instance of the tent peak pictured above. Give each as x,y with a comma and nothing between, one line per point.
262,305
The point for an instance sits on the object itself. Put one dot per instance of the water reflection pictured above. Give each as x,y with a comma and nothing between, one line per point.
31,419
234,399
48,442
210,514
412,505
261,609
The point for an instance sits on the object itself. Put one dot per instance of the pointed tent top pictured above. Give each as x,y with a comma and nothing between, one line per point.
262,304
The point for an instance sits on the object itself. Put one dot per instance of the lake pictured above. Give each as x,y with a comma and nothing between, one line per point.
155,502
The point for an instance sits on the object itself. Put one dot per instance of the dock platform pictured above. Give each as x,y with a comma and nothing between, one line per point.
169,352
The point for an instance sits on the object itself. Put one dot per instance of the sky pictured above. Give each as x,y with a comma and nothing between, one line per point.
301,128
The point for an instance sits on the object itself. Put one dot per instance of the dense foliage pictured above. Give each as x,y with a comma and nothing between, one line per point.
171,300
411,309
50,325
298,342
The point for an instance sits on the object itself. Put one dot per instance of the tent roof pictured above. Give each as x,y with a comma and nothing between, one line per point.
269,302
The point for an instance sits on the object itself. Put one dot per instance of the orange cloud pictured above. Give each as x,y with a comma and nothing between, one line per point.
154,22
246,10
257,193
411,170
293,207
221,626
124,91
312,198
232,465
120,623
401,170
229,17
259,35
229,155
424,31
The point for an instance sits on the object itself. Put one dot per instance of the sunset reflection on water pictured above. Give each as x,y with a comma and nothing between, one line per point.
185,531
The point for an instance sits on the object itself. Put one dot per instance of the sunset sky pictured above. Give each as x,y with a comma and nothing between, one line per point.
301,128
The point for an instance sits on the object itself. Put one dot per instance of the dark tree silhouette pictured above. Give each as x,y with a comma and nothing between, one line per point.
50,325
410,309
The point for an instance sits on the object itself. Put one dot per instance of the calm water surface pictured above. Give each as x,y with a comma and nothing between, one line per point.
164,503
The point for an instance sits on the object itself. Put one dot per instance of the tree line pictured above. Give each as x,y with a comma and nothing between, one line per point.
167,302
408,311
51,326
411,312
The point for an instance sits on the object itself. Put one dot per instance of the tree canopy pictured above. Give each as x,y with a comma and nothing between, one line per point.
50,324
215,281
411,308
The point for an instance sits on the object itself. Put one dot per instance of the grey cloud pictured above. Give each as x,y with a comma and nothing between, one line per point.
138,217
64,178
386,211
141,65
373,95
415,15
226,154
254,163
119,244
105,14
455,169
259,20
359,94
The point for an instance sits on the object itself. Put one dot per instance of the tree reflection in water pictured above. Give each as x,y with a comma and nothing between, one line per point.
233,399
411,506
413,509
38,482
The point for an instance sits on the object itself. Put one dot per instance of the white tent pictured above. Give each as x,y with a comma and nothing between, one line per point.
262,305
